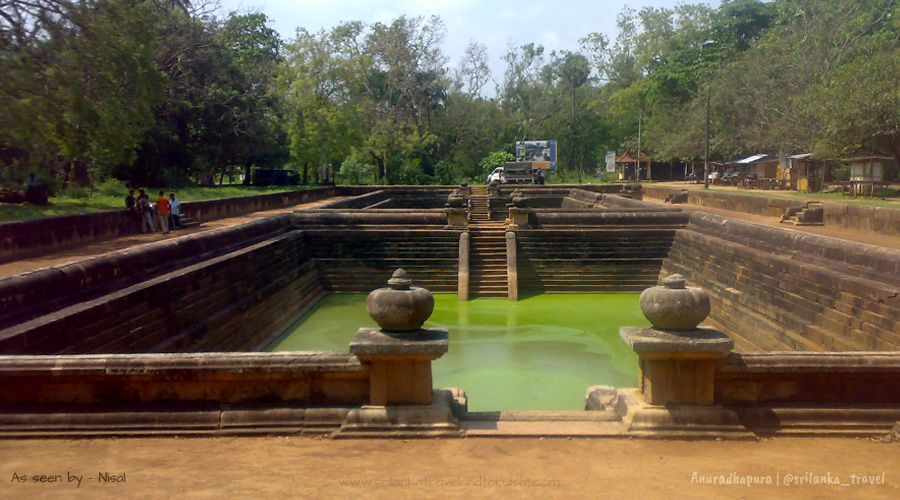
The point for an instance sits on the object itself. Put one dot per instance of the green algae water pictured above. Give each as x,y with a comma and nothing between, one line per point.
540,353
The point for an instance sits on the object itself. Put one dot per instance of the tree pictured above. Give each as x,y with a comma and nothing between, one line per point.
473,72
79,84
407,85
573,70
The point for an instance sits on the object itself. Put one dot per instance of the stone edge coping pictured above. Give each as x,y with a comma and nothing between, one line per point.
826,362
370,341
147,364
649,340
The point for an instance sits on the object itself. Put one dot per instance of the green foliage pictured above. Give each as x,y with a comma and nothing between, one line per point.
841,172
153,92
494,160
353,170
443,173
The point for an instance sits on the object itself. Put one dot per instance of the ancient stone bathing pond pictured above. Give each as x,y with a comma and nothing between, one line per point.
539,353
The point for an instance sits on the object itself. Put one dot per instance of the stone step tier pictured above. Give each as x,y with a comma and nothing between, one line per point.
479,208
771,302
235,302
813,214
607,260
351,260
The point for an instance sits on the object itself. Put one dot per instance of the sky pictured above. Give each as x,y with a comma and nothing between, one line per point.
498,24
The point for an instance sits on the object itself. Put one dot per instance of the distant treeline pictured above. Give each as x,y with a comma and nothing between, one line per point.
164,92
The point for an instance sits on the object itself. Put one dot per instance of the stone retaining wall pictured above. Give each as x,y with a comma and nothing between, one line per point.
574,260
234,302
362,259
600,218
860,218
403,197
776,290
807,378
219,378
29,295
22,239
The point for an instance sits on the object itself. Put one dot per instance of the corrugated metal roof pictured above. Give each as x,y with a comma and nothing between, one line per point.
751,159
800,156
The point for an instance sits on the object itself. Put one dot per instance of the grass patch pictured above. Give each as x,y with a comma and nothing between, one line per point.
112,197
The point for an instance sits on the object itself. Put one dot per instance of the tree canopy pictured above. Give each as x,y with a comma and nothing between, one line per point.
167,92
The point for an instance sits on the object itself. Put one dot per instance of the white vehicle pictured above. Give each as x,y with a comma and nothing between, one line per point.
496,177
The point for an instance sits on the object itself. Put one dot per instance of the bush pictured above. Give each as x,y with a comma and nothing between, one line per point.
494,160
111,187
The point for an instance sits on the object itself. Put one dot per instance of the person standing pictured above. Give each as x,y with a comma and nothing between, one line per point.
131,206
163,209
175,207
143,207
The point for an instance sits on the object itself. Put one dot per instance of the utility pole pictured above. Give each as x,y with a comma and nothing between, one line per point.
637,174
706,145
572,136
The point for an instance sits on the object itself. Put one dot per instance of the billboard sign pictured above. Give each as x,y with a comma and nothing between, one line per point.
610,161
537,151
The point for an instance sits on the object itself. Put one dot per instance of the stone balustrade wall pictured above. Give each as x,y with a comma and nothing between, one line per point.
22,239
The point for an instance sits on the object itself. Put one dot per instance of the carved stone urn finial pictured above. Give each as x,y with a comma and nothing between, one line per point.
456,199
673,306
400,307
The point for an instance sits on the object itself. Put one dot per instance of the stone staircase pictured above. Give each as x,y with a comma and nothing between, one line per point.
479,205
813,214
487,249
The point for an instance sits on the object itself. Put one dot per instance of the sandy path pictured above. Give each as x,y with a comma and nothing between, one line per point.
300,467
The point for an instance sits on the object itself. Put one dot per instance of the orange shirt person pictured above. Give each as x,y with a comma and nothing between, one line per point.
162,212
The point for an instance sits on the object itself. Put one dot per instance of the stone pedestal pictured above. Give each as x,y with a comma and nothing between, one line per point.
456,217
399,364
677,368
401,400
518,217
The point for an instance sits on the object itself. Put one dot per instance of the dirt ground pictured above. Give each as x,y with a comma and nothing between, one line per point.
276,467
